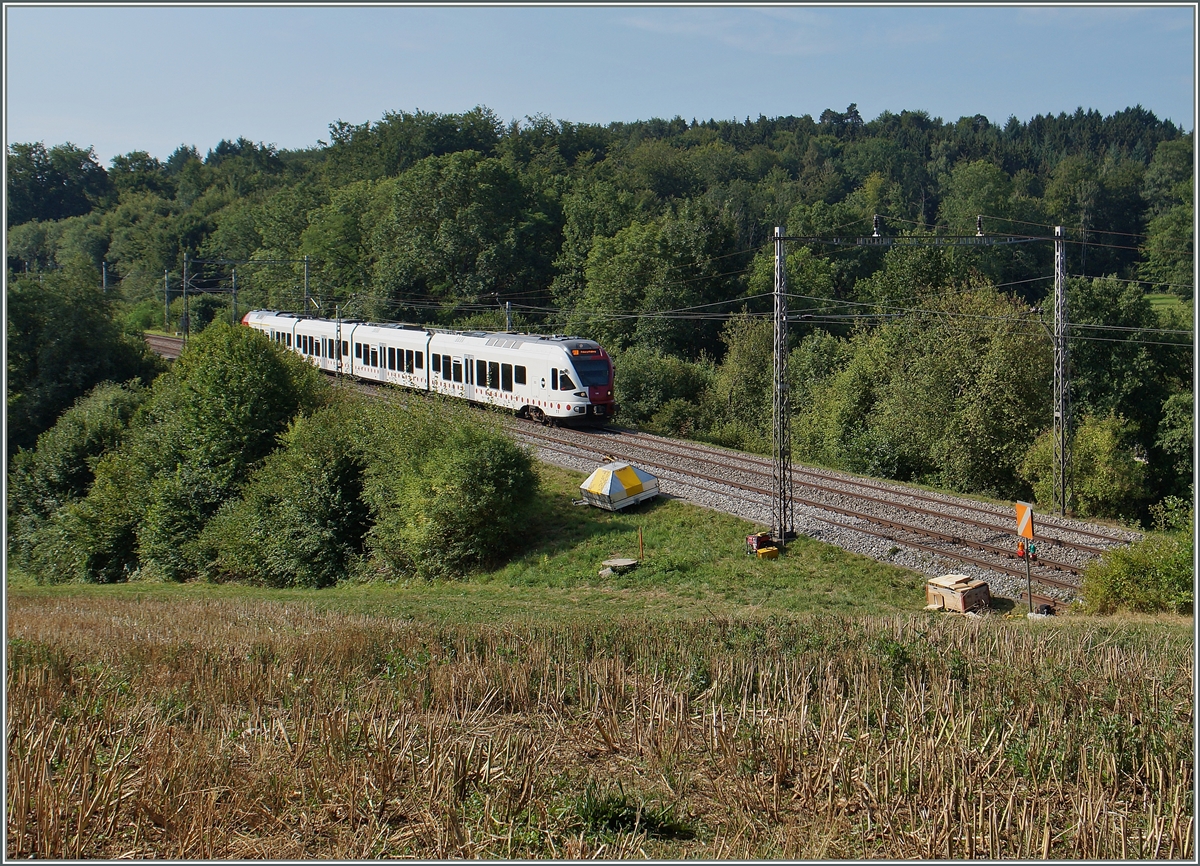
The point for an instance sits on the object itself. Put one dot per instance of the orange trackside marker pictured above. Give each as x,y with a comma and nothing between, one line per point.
1024,520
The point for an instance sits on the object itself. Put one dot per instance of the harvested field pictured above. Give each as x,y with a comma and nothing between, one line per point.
215,729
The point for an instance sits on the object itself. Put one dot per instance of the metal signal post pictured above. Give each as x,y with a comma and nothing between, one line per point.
782,508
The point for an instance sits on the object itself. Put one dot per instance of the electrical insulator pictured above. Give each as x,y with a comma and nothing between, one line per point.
979,226
875,226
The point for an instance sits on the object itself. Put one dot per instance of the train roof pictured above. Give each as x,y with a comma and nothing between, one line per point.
502,339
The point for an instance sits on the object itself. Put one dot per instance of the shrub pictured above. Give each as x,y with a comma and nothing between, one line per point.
59,470
646,380
62,342
207,424
447,492
1106,479
1153,575
301,520
144,315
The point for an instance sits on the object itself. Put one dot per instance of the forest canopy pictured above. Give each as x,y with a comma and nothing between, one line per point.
653,237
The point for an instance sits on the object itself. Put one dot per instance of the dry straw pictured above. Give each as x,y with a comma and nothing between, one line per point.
217,730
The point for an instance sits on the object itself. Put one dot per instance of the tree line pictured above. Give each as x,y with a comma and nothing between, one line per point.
652,238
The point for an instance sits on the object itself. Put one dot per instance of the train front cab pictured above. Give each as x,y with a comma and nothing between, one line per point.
594,368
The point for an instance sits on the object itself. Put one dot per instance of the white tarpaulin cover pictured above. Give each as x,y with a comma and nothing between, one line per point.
616,485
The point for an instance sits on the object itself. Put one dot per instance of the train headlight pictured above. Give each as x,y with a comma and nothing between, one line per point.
581,393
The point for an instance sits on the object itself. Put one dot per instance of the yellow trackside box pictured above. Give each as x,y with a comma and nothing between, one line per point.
616,485
956,592
768,553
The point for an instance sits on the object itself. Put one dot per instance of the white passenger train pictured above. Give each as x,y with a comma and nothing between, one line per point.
549,379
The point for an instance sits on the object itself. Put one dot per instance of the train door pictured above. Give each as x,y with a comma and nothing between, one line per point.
469,377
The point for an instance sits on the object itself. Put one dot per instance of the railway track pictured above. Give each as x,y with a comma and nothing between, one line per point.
931,530
167,347
1000,519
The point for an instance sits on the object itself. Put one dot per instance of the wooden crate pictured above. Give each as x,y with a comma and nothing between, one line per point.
957,592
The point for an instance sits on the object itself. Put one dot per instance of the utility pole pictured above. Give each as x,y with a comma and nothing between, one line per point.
782,508
104,276
306,285
234,291
508,316
1062,375
185,302
167,301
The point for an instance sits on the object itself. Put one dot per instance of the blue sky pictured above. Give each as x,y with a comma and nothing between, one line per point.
151,78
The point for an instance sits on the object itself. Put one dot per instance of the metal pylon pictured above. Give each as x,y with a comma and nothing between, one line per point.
1062,374
783,523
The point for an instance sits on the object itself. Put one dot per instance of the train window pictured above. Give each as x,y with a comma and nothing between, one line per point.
554,380
408,361
420,358
374,357
519,374
506,377
289,340
493,377
391,357
468,371
457,370
564,382
446,367
592,371
345,347
358,351
481,372
435,363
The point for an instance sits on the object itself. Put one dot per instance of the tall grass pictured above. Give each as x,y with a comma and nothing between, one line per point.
218,729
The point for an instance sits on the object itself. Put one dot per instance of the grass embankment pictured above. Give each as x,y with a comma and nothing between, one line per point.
694,564
707,705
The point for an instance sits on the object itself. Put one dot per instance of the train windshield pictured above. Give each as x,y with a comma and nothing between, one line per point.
592,372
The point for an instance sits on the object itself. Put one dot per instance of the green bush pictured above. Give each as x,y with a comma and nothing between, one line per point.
646,380
207,424
447,492
62,341
95,538
59,470
301,520
1106,478
1153,575
145,315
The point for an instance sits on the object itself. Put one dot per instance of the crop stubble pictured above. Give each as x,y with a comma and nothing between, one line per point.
219,729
